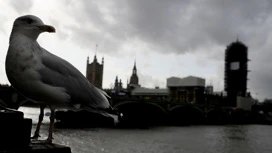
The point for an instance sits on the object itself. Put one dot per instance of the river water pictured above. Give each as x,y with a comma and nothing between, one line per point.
187,139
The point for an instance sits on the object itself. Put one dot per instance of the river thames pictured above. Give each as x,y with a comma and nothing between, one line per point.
165,139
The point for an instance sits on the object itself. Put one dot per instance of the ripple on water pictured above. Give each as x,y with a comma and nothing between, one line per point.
188,139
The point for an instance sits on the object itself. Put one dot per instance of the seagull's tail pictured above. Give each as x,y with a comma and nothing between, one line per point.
115,117
104,107
114,114
102,92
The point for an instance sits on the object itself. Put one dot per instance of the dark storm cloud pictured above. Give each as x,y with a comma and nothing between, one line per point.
21,6
181,26
175,26
92,28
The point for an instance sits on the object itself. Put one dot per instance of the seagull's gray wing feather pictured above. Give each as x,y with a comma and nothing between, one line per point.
60,73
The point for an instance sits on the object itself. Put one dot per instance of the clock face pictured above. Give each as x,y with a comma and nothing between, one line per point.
234,66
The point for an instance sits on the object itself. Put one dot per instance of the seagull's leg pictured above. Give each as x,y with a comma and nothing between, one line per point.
2,107
52,120
36,134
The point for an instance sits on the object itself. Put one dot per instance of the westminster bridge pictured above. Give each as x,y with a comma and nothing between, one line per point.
147,112
138,111
135,111
144,113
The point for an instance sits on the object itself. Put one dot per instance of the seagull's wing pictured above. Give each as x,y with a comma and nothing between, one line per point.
60,73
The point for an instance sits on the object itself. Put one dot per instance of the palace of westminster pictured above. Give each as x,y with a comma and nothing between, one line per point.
94,74
189,89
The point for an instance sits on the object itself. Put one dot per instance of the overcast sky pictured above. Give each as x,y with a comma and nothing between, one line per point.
166,38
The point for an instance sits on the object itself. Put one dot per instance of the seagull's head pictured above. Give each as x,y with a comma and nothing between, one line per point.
30,26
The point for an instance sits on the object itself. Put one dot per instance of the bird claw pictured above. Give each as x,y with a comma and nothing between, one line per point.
36,136
48,141
35,139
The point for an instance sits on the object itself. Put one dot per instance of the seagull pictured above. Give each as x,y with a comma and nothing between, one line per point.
47,79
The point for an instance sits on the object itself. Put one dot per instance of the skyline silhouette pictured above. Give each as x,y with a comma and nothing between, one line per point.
167,38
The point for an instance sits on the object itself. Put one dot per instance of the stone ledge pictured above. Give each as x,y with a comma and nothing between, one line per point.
40,148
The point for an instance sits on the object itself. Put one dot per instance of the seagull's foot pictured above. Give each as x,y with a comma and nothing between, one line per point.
35,136
49,140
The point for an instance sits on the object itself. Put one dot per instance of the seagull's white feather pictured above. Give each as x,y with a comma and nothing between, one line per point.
44,77
68,77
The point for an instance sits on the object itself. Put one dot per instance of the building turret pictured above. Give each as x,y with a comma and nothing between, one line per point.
95,59
134,80
116,83
134,77
94,72
120,84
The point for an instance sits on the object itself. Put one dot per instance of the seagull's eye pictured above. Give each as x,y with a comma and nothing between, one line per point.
29,21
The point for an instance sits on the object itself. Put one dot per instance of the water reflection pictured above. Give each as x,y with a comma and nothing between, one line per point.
235,137
186,139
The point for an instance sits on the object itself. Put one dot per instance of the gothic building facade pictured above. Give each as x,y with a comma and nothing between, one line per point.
94,72
118,85
134,80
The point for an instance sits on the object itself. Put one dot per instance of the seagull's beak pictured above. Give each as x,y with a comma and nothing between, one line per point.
47,28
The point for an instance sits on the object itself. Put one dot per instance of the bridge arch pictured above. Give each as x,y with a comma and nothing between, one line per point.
139,114
216,116
138,102
186,114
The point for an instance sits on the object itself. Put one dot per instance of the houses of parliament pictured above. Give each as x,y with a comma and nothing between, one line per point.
187,89
94,74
